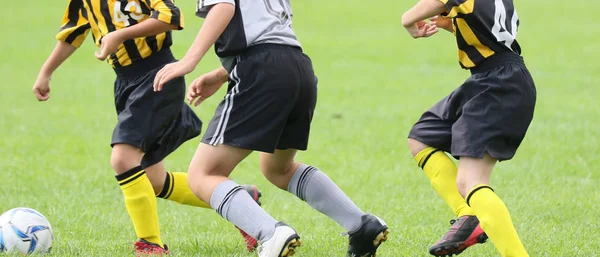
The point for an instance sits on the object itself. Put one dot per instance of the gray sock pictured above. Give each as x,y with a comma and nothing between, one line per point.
238,207
315,188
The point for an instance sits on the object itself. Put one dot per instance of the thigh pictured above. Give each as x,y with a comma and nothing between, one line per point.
254,112
495,121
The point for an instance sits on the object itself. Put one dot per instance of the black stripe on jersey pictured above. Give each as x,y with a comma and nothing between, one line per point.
108,21
470,50
175,12
152,43
77,32
89,2
452,3
74,8
84,13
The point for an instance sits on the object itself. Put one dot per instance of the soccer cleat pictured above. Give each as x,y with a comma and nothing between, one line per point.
464,233
283,243
144,248
368,237
251,242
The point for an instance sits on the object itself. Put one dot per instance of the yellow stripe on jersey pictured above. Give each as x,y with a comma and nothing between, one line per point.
143,47
464,59
471,38
160,39
455,7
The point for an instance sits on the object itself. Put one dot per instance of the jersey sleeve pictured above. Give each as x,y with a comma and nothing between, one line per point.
204,6
167,12
75,25
454,7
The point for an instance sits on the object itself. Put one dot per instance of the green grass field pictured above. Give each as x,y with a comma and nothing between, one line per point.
374,82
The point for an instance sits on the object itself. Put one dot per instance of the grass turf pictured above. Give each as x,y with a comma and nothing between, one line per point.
374,82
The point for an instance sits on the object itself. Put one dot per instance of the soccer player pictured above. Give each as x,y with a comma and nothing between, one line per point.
480,123
135,37
268,108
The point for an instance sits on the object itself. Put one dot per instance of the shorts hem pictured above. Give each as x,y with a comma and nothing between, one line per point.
240,146
125,142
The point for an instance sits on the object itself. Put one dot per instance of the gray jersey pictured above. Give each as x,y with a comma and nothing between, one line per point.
254,22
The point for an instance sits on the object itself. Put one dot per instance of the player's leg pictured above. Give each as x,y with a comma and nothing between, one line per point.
473,182
366,232
428,141
173,186
481,138
138,194
208,178
130,144
314,187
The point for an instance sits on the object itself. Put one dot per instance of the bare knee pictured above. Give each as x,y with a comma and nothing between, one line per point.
473,172
125,157
416,146
463,186
278,173
157,174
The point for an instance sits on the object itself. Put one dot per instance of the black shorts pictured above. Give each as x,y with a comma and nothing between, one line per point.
155,122
489,113
270,101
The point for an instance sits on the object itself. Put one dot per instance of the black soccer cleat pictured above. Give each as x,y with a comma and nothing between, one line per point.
464,233
364,241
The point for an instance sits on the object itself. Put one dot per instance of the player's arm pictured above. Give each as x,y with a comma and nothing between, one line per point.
206,85
165,16
218,17
73,32
414,19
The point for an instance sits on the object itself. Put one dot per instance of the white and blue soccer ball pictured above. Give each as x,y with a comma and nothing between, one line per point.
26,231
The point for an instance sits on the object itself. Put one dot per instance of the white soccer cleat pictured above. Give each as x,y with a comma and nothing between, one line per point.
282,244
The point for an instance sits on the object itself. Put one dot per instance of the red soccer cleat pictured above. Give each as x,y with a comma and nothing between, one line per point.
464,233
144,248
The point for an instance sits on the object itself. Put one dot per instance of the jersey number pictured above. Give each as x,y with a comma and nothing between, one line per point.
135,14
500,30
284,16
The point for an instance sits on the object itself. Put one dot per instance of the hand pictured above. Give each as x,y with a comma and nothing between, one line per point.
442,22
204,87
171,71
421,29
109,44
41,88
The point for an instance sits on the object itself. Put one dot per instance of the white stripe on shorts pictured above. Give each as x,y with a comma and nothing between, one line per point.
217,137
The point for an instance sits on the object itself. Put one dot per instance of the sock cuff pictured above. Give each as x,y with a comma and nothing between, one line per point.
222,194
422,157
475,189
299,181
130,175
168,187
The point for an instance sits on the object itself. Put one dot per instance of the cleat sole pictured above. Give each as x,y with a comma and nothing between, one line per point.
290,248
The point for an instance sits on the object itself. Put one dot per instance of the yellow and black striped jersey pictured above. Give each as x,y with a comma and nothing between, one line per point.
105,16
483,28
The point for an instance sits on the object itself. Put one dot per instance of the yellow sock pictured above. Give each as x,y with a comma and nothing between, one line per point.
495,221
442,171
176,189
141,204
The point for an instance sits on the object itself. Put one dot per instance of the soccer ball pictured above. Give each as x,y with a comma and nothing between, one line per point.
26,231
